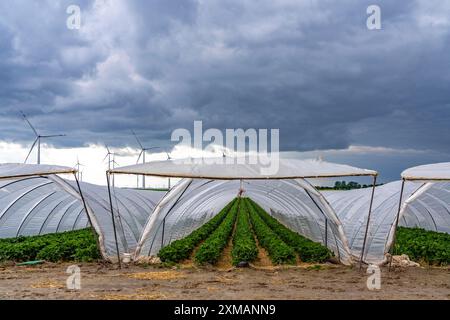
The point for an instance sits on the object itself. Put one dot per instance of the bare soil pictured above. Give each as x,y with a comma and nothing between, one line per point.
103,281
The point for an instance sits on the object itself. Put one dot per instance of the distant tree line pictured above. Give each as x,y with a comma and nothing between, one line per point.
342,185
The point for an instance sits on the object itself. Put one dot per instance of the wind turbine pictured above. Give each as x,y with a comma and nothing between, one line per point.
79,173
111,160
142,154
37,140
108,155
168,158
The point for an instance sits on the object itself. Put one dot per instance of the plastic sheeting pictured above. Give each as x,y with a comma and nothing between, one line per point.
426,205
437,171
241,168
193,202
18,170
40,205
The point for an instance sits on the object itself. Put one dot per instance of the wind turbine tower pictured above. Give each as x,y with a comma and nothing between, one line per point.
168,158
142,154
79,172
111,156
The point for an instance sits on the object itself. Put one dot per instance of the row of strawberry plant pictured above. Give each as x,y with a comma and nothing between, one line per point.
210,250
244,244
422,245
180,250
279,252
308,251
79,245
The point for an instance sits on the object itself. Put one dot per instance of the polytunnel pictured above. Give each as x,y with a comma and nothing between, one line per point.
294,203
36,201
424,205
207,188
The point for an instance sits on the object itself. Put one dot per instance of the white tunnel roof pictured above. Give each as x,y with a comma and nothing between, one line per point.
20,170
436,171
240,168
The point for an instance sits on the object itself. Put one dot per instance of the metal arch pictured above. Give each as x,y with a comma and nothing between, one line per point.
207,214
190,202
139,209
25,218
142,198
290,205
130,222
77,219
67,206
15,181
60,204
211,196
284,209
135,207
23,194
444,204
216,192
73,206
311,215
316,222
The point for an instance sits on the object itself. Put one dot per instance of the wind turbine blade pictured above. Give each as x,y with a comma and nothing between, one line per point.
107,149
31,149
140,155
54,136
106,156
29,123
137,139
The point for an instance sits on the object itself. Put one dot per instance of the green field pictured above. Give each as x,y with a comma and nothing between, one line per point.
249,228
79,245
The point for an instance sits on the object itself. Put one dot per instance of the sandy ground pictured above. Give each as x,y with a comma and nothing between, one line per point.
103,281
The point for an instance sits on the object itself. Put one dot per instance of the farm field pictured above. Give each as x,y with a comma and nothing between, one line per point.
244,233
100,281
204,265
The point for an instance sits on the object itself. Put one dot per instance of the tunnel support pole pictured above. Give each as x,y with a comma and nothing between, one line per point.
368,221
397,218
113,220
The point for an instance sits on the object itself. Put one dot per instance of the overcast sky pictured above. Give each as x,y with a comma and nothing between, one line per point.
310,68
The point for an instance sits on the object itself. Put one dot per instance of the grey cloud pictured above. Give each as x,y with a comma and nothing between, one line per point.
309,68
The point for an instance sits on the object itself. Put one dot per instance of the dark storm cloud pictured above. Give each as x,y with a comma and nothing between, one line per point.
310,68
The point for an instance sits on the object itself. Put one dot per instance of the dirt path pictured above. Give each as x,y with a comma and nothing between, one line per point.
263,259
48,281
226,260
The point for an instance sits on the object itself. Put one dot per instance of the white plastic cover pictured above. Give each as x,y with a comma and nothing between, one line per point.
19,170
240,168
436,171
425,205
40,205
193,202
